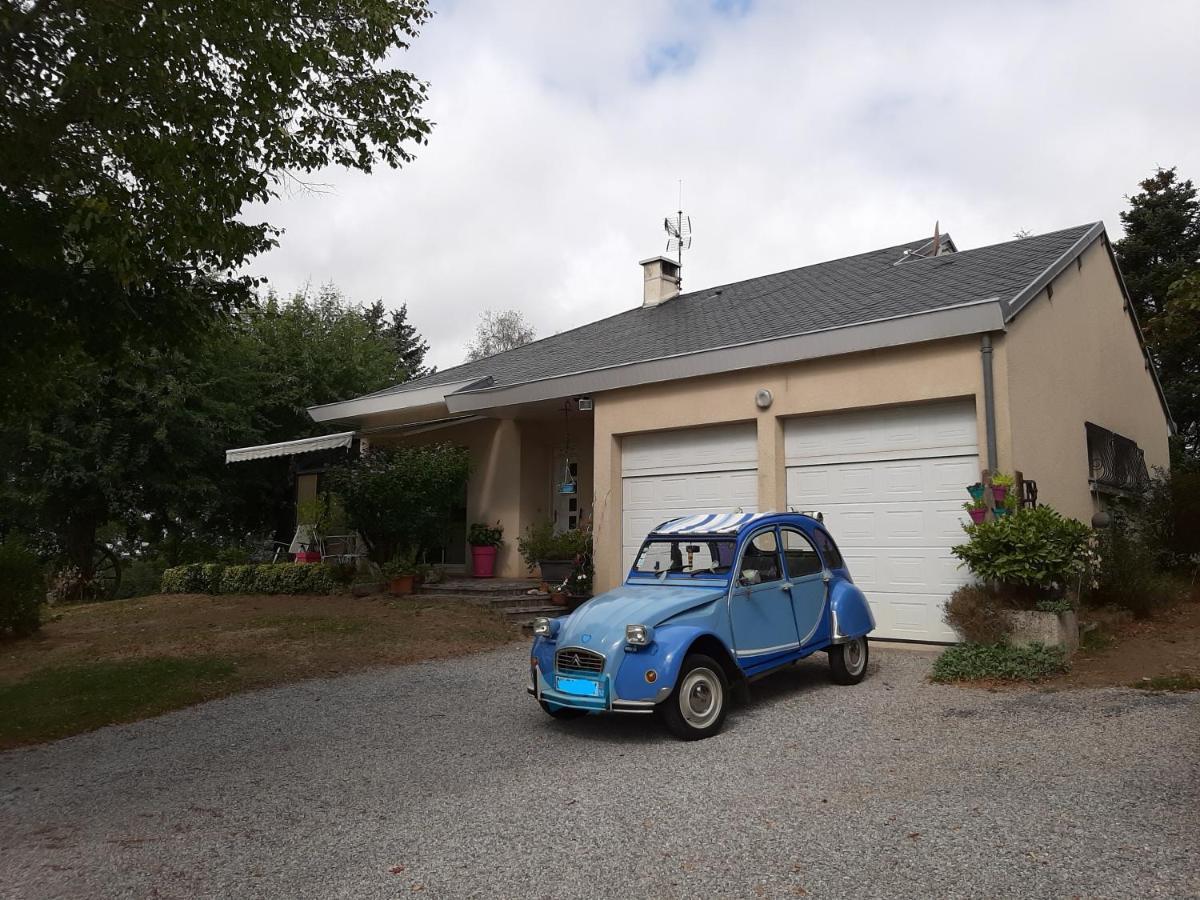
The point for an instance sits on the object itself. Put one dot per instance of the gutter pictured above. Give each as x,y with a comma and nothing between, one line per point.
989,400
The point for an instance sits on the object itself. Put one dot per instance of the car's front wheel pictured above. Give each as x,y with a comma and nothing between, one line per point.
696,708
848,661
562,712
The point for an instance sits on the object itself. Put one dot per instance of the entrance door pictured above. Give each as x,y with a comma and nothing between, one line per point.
764,626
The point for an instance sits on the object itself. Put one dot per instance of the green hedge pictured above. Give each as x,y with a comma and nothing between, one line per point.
271,578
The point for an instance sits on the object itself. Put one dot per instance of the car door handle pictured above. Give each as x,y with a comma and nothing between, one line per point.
787,585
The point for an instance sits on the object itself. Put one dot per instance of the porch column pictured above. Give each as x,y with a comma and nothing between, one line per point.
494,493
772,471
606,505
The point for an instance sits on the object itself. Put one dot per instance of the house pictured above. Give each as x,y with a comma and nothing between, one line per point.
872,388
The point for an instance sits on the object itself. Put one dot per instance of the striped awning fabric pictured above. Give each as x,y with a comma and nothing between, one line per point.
708,523
291,448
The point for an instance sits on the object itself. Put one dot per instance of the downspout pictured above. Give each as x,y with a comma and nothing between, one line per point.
989,399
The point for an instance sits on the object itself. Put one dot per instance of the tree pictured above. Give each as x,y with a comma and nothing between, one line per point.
1174,336
132,138
400,497
406,342
1161,242
499,331
140,442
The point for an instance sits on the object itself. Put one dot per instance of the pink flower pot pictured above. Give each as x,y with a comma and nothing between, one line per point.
999,491
483,562
977,515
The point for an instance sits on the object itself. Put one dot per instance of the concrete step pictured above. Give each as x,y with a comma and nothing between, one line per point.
480,587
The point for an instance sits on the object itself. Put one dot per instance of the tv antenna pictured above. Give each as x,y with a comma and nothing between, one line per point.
679,233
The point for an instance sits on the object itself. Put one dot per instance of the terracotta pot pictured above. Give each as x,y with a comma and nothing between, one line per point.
483,561
401,585
977,515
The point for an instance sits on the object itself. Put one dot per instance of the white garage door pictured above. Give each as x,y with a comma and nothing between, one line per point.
891,484
676,473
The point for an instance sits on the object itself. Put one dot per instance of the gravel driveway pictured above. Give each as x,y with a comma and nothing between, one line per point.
444,780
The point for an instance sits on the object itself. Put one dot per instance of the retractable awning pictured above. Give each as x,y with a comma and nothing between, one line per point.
291,448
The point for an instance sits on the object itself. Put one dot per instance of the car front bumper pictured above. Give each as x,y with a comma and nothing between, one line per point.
543,691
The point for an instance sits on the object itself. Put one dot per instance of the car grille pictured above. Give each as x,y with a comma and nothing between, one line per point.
575,659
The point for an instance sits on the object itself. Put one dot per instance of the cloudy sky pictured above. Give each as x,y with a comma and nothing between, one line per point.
801,132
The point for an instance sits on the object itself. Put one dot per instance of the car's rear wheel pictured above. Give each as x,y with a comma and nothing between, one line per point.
696,708
848,661
562,712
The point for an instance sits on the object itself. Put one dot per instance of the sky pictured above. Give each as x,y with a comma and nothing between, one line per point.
801,132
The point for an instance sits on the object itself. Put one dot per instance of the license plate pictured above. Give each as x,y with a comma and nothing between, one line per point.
580,687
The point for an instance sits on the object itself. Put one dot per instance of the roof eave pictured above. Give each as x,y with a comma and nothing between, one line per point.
411,399
955,321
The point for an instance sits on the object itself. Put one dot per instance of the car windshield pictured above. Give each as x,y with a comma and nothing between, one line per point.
685,556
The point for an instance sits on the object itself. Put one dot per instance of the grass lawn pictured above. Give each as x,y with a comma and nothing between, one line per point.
103,663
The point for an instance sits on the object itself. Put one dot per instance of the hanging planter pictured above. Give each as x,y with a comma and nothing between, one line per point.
977,510
975,490
1001,485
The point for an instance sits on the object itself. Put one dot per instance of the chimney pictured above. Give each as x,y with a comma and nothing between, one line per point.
661,280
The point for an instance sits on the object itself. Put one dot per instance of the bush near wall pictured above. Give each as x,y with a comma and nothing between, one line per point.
271,578
22,588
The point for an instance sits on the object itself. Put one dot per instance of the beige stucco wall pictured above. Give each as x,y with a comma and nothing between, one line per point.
912,374
1074,358
511,473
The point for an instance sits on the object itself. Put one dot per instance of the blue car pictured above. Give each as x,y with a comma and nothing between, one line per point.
712,602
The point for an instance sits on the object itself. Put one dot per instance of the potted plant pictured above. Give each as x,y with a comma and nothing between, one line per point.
485,542
1001,485
977,509
975,490
578,586
554,554
401,572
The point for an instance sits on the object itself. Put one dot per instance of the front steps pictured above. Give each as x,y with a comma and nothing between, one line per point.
510,597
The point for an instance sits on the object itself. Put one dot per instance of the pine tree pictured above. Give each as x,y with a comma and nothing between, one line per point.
1162,240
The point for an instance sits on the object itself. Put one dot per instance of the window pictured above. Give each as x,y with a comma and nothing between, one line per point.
800,554
760,559
685,556
833,558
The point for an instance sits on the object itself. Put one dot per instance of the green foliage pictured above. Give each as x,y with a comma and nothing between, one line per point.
999,662
541,542
141,577
1150,543
1058,605
237,579
1161,242
482,534
141,443
400,498
1003,479
63,700
134,141
977,612
499,331
1181,682
1174,337
1031,548
22,588
269,578
402,564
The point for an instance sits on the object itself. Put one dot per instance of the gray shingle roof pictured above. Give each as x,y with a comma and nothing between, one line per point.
848,291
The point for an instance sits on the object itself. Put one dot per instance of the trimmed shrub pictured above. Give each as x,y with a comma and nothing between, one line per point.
1034,550
210,577
976,611
238,579
187,579
293,578
22,588
999,662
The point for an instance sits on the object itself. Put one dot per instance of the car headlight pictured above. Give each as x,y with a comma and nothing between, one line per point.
638,635
544,627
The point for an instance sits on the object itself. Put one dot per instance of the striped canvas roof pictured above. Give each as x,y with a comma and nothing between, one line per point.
708,523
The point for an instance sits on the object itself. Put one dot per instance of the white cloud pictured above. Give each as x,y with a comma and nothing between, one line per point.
802,132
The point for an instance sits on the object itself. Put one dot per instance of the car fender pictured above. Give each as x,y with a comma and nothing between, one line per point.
665,656
850,612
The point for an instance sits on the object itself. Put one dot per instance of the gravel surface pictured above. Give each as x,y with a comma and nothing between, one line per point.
445,780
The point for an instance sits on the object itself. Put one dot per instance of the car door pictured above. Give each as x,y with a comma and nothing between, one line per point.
805,574
760,607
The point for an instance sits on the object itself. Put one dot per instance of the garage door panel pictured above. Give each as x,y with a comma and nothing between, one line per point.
717,448
891,485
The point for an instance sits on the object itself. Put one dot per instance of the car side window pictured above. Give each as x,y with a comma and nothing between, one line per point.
800,555
833,557
760,560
